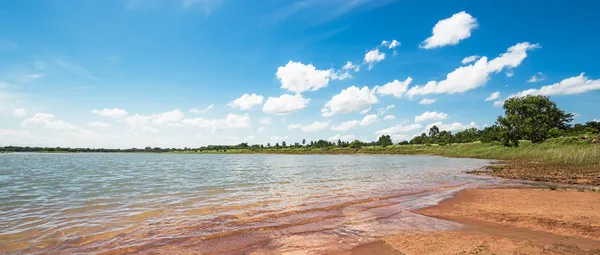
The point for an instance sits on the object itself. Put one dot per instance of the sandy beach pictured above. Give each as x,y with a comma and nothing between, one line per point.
505,221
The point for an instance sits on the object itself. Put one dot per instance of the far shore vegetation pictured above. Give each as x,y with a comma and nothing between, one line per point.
534,136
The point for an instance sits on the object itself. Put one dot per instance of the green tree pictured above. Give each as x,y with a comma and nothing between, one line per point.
531,117
356,144
303,142
283,144
384,141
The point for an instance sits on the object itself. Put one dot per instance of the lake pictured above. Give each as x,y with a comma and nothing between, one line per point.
218,204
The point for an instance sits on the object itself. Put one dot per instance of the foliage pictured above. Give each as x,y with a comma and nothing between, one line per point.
531,118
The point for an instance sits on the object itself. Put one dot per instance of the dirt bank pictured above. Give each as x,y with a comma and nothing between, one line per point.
506,221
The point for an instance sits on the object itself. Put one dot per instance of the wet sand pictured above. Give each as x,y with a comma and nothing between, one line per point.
505,221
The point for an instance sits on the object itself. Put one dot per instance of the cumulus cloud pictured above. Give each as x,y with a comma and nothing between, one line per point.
475,75
399,129
246,101
431,116
453,127
200,111
389,117
366,121
382,111
167,117
98,124
470,59
390,45
537,77
265,121
343,138
395,88
311,128
373,56
365,111
297,77
349,100
493,96
231,121
285,104
351,66
19,112
47,120
113,113
451,30
427,101
573,85
137,120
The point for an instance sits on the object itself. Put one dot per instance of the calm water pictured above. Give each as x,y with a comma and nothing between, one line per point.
217,204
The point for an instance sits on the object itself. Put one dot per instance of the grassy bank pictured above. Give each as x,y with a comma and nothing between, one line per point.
561,160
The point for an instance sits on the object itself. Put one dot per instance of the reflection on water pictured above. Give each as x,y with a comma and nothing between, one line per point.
217,204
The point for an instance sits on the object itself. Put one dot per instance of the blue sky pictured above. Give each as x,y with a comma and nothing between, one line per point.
135,73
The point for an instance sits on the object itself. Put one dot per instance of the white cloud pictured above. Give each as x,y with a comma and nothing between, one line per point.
265,121
98,124
137,120
430,116
537,77
475,75
366,121
373,56
167,117
573,85
314,127
278,138
150,129
470,59
365,111
19,112
389,117
285,104
343,138
382,111
493,96
399,129
395,88
246,101
453,127
113,113
451,30
297,77
345,126
427,101
231,121
510,73
498,103
390,45
349,100
351,66
47,120
260,130
199,111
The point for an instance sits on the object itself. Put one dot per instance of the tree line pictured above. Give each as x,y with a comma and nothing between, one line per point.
534,118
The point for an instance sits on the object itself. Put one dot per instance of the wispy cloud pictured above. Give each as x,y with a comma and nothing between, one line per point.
207,6
325,10
74,68
7,45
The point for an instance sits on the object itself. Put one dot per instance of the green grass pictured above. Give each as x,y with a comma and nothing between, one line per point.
553,151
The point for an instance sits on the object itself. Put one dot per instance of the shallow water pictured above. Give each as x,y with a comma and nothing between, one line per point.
217,204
